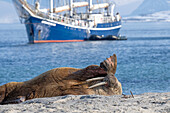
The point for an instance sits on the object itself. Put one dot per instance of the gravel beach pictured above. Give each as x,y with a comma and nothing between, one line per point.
144,103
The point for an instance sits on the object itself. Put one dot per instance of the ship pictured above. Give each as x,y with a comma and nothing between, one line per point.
68,20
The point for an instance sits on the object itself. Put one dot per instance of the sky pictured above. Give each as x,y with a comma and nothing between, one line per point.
8,13
125,2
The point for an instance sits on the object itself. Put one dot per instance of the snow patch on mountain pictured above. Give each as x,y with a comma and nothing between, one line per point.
162,16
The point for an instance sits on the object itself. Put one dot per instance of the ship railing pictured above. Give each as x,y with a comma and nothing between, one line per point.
108,19
67,20
71,21
58,18
76,21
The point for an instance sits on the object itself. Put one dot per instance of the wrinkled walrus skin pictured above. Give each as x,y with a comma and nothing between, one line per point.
98,80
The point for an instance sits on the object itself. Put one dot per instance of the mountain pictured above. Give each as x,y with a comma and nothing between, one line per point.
152,6
128,8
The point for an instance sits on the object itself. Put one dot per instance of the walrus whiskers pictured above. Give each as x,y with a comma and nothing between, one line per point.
96,85
95,79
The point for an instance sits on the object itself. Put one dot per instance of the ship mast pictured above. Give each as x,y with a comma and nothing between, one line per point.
71,8
112,11
51,8
90,6
54,5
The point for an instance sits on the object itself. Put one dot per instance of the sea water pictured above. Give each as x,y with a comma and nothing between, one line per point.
143,59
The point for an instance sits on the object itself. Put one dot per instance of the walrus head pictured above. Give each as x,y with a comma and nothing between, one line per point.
98,80
6,90
107,85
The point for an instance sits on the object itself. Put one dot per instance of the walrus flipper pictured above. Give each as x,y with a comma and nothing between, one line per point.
17,100
2,93
110,64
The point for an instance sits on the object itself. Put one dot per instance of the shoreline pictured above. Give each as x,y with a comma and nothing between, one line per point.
146,103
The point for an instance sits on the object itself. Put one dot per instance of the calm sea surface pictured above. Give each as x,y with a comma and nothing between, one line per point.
143,60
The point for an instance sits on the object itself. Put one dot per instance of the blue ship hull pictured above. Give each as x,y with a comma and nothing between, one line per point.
45,30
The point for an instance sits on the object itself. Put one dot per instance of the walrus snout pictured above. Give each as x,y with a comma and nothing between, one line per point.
109,66
111,80
108,81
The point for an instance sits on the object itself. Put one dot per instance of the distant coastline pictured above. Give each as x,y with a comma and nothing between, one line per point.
162,16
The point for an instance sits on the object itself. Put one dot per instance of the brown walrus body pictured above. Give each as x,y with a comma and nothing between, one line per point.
99,80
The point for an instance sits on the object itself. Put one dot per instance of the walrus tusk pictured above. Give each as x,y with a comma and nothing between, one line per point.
96,85
94,79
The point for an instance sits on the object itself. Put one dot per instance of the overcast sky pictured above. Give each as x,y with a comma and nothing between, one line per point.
8,13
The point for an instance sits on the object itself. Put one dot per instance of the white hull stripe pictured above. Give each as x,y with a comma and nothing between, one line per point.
48,23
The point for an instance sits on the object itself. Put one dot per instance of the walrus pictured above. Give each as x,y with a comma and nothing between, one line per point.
92,80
